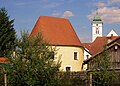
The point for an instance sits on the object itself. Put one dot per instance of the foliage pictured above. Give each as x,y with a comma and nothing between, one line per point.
1,77
65,79
7,33
103,75
70,79
32,64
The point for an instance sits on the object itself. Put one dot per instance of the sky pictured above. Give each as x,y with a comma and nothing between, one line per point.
79,12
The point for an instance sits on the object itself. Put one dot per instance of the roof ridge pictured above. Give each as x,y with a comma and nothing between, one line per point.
53,17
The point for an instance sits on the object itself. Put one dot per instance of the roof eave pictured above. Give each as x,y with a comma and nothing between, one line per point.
66,45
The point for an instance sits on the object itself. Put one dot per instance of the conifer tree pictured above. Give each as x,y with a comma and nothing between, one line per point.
7,33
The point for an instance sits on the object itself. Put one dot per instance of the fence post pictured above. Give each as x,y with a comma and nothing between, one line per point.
5,78
90,79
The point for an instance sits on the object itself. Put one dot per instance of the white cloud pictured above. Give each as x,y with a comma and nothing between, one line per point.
109,15
52,5
67,14
114,1
56,14
108,3
85,38
20,3
100,4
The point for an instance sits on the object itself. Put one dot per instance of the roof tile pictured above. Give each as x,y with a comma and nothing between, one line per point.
99,44
3,60
57,31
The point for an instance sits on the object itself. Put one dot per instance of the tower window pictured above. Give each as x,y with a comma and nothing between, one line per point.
96,24
97,31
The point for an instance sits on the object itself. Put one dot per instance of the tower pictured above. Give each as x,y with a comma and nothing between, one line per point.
97,25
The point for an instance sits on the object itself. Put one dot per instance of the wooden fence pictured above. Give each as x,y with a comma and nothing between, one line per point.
73,78
66,78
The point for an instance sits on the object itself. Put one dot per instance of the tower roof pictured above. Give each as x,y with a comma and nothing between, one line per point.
58,31
97,17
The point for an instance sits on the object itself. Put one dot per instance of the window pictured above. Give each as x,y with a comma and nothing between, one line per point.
51,55
75,55
87,56
68,69
97,31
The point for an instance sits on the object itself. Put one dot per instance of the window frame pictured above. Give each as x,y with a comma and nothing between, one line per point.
52,55
68,66
75,58
68,69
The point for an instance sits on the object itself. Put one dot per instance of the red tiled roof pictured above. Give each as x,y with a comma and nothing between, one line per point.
57,31
99,44
87,45
114,41
114,38
3,60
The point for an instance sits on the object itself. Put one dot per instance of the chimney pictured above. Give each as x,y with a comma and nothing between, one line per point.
111,35
110,38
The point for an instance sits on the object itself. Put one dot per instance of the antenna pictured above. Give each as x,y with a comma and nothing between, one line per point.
96,11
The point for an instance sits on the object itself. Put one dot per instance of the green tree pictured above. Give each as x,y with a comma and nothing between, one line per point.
7,33
33,63
103,75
